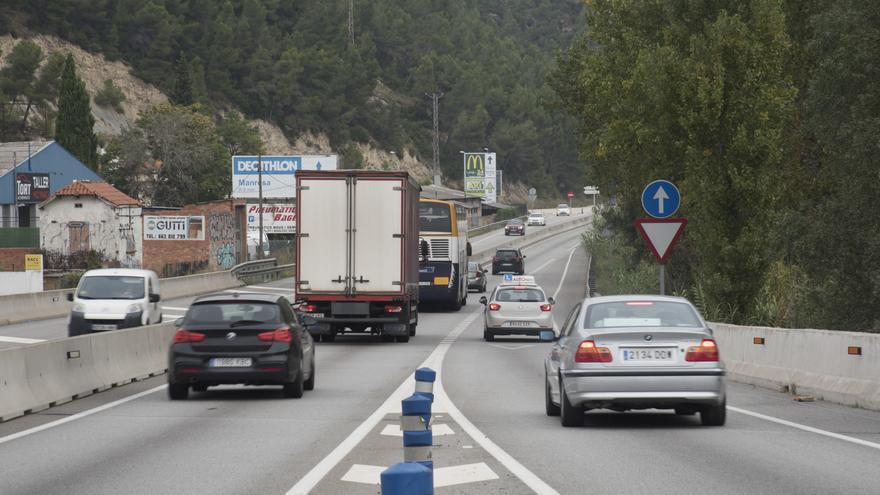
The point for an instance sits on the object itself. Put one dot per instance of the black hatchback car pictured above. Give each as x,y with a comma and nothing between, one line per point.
248,338
509,260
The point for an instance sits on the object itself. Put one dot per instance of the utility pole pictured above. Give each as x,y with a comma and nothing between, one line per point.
435,98
260,186
351,23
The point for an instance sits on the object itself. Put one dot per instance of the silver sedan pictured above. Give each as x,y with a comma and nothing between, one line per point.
635,352
517,308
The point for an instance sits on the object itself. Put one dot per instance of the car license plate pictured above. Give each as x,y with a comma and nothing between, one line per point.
424,284
230,362
104,327
315,315
519,323
649,354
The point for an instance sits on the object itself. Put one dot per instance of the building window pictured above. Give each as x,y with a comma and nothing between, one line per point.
77,205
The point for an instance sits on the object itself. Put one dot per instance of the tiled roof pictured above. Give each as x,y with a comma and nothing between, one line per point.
14,153
101,190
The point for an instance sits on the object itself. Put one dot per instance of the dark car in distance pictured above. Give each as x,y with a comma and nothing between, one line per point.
246,338
476,277
508,260
515,226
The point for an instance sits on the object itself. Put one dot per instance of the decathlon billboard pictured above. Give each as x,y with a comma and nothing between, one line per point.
279,173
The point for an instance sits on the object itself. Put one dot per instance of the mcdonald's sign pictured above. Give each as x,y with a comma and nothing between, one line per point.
474,165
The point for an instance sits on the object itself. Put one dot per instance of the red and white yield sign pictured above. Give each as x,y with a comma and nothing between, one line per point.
661,234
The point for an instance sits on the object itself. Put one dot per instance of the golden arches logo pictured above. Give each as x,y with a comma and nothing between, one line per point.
474,165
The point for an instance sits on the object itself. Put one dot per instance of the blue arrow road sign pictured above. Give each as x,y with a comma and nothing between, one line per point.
661,199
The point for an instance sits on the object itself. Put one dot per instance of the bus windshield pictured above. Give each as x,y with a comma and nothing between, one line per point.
434,217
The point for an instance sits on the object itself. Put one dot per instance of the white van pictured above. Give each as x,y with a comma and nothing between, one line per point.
114,298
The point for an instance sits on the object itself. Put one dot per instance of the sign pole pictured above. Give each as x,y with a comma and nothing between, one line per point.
260,180
662,280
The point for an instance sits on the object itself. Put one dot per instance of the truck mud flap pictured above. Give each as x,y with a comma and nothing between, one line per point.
395,329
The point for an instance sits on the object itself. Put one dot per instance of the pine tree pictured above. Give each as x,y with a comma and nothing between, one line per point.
74,128
182,92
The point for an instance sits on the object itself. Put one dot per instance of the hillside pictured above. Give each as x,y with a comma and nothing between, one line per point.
298,67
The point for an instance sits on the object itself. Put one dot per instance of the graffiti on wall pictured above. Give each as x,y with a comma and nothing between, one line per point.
221,227
226,256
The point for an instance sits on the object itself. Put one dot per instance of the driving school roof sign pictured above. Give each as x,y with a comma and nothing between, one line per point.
278,172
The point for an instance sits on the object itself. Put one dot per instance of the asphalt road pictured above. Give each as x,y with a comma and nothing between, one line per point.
56,328
491,434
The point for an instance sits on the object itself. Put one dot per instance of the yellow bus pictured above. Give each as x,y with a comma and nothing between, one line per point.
445,251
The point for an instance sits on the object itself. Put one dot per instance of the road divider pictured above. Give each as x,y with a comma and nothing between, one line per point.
484,256
42,375
803,361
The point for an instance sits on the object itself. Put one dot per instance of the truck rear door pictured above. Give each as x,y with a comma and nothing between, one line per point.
323,243
378,241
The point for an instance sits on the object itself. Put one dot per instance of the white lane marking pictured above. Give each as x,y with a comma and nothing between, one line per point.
512,347
443,476
831,434
564,272
169,315
536,270
391,405
174,309
21,340
80,415
437,430
264,287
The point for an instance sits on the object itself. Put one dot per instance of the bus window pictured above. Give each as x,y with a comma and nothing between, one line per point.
434,217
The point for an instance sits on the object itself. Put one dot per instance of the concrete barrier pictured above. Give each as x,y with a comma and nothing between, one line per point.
39,376
54,304
484,256
836,366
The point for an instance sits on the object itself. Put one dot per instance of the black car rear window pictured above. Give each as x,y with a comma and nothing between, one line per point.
230,312
506,254
640,314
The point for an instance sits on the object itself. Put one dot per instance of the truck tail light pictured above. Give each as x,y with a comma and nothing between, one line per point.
707,351
185,336
546,307
280,334
309,308
392,309
494,307
588,352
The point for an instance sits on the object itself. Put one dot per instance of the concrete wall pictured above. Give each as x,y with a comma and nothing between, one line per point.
20,282
225,243
803,361
38,376
113,231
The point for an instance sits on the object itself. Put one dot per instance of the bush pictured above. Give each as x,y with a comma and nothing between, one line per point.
110,96
506,214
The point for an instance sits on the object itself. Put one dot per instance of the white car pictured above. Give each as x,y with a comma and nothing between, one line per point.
112,299
563,210
518,306
537,219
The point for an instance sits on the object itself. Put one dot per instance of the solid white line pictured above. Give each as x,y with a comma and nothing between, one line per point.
263,287
174,309
564,272
830,434
21,340
89,412
536,270
391,405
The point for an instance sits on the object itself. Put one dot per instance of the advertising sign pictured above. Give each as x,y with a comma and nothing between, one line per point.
279,173
33,262
480,178
278,218
31,188
174,228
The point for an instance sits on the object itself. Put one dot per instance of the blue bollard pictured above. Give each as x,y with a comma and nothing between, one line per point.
416,426
425,378
407,478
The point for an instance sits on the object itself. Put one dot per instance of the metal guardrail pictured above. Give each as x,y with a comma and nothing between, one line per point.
264,270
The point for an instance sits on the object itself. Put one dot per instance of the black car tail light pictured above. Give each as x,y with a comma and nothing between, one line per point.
280,334
184,336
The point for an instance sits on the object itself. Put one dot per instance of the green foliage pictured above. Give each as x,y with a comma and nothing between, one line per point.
110,96
506,214
291,63
612,267
238,136
28,92
75,121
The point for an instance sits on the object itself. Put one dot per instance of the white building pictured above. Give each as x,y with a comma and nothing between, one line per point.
86,215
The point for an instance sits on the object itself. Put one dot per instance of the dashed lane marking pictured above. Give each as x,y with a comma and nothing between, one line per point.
437,430
173,308
512,347
831,434
543,265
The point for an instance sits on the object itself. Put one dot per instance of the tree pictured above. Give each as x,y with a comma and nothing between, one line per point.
75,122
238,136
182,91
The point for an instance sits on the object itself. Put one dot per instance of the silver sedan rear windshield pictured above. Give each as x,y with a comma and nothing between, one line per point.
520,295
640,314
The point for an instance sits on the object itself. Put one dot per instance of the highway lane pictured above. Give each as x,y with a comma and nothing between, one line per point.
499,387
230,439
39,330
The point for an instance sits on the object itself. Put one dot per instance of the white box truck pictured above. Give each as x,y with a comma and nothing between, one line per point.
357,256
